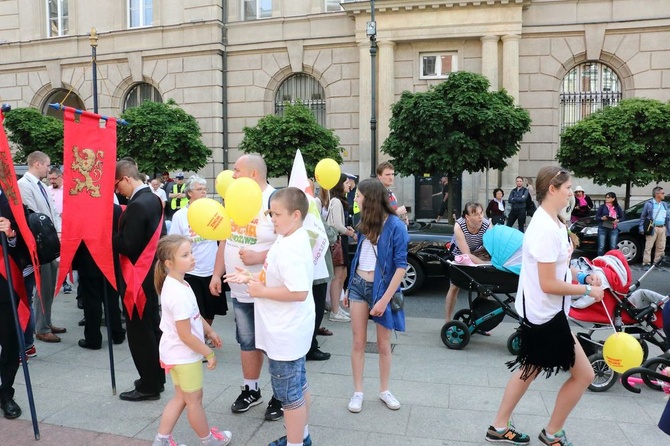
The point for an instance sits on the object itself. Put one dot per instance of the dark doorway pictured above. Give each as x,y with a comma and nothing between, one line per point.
428,196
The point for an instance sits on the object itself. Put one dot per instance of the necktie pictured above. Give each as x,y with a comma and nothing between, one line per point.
44,193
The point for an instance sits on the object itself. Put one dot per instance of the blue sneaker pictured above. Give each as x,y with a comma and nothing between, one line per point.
282,441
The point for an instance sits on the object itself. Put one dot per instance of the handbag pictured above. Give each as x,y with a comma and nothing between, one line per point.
337,253
398,300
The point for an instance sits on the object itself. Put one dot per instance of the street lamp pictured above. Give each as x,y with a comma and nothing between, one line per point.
93,38
371,31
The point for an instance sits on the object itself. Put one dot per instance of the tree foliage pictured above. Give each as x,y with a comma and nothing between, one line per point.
627,144
276,139
458,125
31,131
160,137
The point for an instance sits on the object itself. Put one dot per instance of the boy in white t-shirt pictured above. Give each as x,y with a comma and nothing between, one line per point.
284,310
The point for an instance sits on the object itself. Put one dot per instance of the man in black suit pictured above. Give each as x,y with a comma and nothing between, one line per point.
140,225
9,343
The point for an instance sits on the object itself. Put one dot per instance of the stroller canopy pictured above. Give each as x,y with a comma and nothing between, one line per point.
504,245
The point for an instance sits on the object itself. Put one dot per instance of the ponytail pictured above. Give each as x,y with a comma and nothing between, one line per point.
167,246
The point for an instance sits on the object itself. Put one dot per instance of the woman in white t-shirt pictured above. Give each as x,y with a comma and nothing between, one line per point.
547,344
182,345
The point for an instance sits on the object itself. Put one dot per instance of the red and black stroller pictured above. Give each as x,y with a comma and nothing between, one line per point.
628,307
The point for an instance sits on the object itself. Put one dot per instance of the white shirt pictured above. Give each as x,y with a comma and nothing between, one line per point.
177,304
284,329
203,250
545,241
160,193
57,196
259,235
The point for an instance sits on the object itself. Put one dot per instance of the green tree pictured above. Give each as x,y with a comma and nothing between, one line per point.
162,136
458,125
31,131
627,144
276,138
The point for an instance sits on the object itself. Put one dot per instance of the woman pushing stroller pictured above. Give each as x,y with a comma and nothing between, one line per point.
547,345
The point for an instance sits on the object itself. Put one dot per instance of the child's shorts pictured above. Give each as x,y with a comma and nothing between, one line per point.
289,382
187,376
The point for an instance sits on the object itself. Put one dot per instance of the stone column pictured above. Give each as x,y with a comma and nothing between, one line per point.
385,89
364,109
490,71
510,82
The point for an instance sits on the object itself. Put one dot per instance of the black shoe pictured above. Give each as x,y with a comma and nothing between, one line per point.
82,322
10,408
80,303
317,355
83,343
161,389
274,411
247,399
119,340
136,395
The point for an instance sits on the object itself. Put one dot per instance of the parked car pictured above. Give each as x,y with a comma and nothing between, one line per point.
427,249
630,242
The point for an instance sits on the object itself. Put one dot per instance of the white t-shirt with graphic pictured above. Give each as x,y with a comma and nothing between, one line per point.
284,329
177,304
545,241
259,235
203,250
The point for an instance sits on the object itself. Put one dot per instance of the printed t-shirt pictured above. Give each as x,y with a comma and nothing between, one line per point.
203,250
545,241
259,235
177,304
284,329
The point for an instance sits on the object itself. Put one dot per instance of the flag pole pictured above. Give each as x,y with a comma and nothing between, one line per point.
19,335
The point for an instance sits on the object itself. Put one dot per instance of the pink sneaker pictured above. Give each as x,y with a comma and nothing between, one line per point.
217,438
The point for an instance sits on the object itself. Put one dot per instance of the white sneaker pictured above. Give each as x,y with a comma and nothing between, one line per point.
339,317
356,403
165,442
388,398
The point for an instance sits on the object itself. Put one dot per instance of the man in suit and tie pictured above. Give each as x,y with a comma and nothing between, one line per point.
36,198
140,226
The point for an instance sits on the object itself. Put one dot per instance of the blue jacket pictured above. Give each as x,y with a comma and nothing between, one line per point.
518,198
391,255
648,212
602,211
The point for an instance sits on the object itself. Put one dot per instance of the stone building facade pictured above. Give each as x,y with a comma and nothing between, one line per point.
229,63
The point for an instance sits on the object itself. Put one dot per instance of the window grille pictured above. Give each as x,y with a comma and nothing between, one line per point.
303,88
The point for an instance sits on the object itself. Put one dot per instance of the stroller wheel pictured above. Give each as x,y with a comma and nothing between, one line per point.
514,343
455,335
464,316
605,377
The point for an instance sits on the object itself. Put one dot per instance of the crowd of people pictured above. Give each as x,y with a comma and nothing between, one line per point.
278,303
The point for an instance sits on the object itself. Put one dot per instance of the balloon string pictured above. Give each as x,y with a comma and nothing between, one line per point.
608,314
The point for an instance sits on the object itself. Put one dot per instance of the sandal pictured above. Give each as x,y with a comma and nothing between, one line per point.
323,331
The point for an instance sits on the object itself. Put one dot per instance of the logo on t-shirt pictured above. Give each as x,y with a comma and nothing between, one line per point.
263,274
244,234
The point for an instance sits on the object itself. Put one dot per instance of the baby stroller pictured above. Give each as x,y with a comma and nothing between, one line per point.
633,310
487,309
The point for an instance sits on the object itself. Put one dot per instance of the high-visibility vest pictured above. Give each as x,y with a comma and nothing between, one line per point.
178,203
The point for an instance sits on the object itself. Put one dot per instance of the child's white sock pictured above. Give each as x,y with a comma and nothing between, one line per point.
294,444
161,436
252,383
306,431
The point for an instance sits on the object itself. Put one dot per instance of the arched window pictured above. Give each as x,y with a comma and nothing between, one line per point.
64,97
306,89
139,93
586,88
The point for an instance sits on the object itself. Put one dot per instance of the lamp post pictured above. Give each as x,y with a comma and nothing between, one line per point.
93,38
371,31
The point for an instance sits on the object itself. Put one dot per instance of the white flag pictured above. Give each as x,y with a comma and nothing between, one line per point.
312,223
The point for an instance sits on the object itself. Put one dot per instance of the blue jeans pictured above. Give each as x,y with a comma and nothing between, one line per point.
244,323
289,382
606,235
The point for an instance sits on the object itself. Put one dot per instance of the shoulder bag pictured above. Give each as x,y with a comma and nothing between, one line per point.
398,300
648,227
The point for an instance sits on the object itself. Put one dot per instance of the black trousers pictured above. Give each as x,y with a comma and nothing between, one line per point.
517,214
9,357
143,338
319,294
92,288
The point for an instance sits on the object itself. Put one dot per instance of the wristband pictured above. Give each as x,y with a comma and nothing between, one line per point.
588,290
581,277
211,355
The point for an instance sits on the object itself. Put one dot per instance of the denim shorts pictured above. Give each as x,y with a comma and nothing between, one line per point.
289,382
360,290
244,322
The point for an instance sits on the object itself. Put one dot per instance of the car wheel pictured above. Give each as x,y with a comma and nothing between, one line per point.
630,247
413,276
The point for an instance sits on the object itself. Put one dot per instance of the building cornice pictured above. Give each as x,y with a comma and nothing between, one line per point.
363,7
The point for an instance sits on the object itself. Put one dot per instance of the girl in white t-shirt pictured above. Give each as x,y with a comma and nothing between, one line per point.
544,281
182,346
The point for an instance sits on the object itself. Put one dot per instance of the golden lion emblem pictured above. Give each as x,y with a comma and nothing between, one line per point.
89,164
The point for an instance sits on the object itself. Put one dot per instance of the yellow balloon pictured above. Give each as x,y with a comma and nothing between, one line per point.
244,199
209,219
622,352
327,173
223,180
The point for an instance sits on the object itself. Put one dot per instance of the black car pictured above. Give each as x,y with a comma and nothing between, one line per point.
630,243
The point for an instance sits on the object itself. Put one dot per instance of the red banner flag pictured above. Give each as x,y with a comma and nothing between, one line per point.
89,167
11,190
